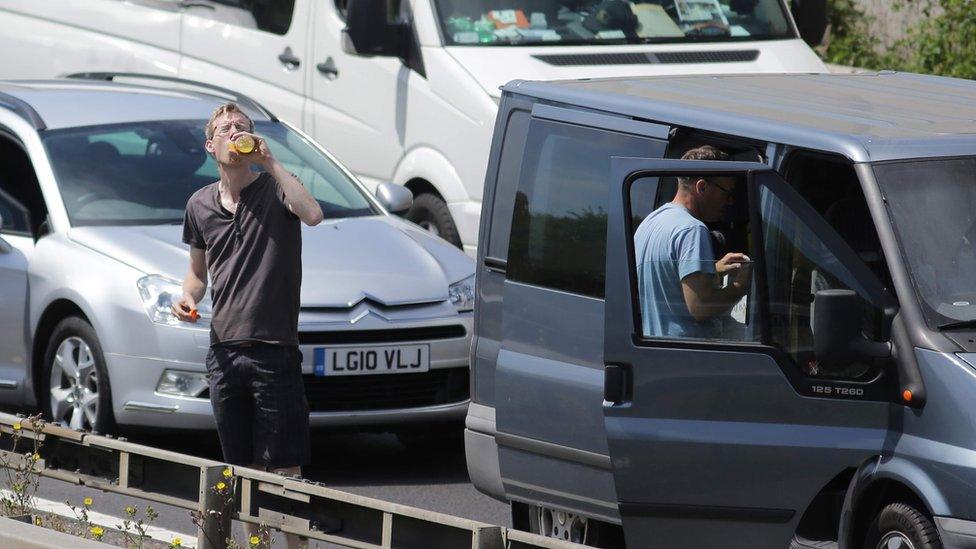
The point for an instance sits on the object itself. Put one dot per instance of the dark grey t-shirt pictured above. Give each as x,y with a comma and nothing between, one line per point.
254,258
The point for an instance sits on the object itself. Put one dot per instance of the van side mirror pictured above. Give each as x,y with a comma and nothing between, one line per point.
373,29
811,20
837,337
395,198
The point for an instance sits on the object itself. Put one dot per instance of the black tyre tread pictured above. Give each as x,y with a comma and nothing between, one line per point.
907,519
430,206
78,326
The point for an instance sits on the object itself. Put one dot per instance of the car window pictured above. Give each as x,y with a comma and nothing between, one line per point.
267,15
144,172
559,221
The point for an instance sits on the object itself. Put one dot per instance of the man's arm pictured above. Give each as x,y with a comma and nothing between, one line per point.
704,300
194,286
297,198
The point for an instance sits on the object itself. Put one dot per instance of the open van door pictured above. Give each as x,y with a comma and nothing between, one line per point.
727,438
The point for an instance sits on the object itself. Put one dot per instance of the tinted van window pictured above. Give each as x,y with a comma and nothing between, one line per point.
559,222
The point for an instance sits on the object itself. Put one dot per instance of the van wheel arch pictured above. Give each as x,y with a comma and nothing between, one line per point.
57,311
874,498
430,211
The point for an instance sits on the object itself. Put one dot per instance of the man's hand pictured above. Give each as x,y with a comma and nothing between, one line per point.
186,309
261,155
731,262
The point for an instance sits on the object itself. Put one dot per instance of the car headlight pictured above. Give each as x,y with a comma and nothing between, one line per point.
184,384
461,294
158,295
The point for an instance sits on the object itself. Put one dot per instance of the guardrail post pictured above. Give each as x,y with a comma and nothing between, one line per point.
216,510
488,538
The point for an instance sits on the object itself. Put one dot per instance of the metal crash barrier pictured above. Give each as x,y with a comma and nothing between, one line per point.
286,504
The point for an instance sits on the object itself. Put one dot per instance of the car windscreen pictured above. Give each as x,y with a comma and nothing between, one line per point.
932,204
575,22
143,172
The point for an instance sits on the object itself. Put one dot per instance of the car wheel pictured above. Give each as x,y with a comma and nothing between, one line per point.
75,386
559,524
431,213
901,526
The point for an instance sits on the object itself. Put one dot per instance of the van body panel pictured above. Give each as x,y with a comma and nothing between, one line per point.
970,358
48,39
247,59
494,66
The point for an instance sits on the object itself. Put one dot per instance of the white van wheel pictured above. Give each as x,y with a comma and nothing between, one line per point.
431,213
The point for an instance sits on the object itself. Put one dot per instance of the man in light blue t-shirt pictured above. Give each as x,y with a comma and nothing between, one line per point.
676,266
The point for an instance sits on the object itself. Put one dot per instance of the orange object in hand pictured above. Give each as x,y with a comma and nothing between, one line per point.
243,144
194,314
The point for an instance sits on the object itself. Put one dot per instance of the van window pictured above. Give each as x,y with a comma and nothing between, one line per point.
575,22
509,165
266,15
559,221
803,250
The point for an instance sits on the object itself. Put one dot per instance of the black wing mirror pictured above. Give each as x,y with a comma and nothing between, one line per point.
811,20
372,29
837,337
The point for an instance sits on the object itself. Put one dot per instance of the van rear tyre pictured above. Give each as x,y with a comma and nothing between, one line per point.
432,214
901,526
558,524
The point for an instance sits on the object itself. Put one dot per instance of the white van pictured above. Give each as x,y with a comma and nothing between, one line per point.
419,109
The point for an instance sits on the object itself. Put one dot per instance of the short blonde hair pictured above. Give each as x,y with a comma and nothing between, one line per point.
226,108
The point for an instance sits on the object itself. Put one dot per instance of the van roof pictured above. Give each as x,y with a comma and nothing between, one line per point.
864,116
65,103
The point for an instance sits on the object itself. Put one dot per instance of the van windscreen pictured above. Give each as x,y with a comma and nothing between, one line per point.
931,207
572,22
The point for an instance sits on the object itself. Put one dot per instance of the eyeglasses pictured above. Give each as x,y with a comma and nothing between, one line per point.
728,193
224,129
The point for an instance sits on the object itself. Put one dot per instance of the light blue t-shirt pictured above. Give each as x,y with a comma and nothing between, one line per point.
669,245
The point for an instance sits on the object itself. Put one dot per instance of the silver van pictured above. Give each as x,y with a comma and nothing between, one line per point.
832,406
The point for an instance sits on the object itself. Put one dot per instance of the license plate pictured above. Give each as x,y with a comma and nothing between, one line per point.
378,359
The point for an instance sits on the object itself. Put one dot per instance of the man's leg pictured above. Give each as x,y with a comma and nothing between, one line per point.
281,427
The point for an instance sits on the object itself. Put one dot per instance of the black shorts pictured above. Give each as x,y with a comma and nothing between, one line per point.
259,404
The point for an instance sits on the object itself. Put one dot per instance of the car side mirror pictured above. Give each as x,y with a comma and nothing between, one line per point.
373,29
395,198
811,20
837,337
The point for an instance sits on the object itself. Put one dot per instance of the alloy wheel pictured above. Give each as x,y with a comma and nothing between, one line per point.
558,524
74,385
895,540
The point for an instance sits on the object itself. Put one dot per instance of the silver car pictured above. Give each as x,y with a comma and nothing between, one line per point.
92,189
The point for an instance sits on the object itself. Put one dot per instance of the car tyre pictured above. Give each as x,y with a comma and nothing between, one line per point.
901,526
75,388
432,214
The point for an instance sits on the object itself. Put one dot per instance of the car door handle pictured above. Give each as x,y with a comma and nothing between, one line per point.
289,60
188,4
617,383
328,68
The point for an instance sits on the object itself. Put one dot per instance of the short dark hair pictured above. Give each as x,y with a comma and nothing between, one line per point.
704,152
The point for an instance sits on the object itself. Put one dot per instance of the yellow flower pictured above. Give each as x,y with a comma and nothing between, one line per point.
130,510
88,501
227,473
255,540
177,542
221,486
37,521
36,456
97,531
17,426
